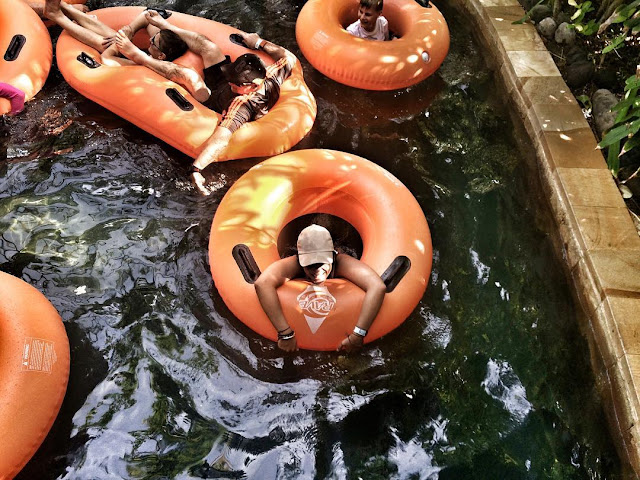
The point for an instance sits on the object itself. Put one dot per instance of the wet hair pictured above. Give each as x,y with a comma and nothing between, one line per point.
377,4
245,69
172,45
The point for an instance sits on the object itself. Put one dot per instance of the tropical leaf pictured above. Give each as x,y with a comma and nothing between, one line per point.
613,159
626,103
618,133
585,100
632,83
619,40
630,144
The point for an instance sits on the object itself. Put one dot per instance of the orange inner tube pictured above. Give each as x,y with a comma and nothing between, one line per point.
367,64
141,96
34,368
273,193
25,50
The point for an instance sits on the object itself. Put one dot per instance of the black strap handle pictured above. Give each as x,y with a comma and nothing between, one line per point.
16,44
87,60
246,263
237,39
161,11
395,272
179,100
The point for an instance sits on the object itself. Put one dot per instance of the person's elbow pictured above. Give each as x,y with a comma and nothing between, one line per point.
263,284
292,60
377,286
202,94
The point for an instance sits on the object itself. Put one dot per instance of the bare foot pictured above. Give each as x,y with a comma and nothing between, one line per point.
155,19
52,9
126,48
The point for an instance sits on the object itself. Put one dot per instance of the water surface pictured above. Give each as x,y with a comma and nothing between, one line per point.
489,378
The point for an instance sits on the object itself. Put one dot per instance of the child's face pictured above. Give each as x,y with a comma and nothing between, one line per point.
368,17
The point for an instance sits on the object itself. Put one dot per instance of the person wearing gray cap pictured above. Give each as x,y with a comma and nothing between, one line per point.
316,262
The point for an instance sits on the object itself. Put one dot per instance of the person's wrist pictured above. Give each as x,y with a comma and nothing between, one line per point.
356,339
287,334
193,169
258,44
139,57
360,332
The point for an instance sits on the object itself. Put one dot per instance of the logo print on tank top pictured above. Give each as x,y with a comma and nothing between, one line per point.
316,303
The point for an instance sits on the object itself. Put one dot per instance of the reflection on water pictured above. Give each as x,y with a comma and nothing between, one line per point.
488,378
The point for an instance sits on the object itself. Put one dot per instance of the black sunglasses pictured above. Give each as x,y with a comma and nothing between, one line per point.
153,42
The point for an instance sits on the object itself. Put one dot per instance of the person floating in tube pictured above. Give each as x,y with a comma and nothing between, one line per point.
371,25
243,90
165,46
317,261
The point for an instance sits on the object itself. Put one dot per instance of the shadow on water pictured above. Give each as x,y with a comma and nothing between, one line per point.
488,378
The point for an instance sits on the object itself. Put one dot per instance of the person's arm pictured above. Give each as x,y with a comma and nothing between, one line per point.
385,29
196,42
364,277
186,77
111,57
253,41
266,287
211,152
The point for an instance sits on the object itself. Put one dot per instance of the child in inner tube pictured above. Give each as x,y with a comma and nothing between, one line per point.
371,25
316,262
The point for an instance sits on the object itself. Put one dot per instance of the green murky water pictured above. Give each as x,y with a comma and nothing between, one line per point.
489,378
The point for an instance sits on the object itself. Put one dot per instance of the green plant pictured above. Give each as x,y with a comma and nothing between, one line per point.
629,17
582,9
526,15
622,137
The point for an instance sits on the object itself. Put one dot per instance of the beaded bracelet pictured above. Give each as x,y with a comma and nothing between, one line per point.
286,336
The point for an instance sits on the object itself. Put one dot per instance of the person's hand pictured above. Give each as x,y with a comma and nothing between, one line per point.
290,345
108,41
199,182
155,19
250,39
125,47
351,343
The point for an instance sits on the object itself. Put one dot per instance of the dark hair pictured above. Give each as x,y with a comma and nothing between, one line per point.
172,45
244,69
377,4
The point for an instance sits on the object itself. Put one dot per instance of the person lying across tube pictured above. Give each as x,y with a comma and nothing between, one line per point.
243,90
317,261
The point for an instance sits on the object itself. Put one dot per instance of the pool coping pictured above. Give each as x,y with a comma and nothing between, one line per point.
600,243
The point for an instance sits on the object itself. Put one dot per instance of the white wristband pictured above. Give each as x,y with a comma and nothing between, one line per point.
258,43
361,332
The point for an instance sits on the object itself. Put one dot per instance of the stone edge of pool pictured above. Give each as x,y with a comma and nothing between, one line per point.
600,243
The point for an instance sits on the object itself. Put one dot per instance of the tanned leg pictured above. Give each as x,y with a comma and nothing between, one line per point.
53,11
87,21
